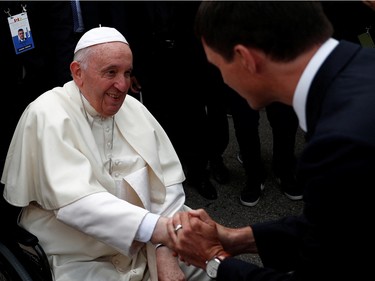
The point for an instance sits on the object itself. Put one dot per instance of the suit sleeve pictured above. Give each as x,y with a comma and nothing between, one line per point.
238,270
277,243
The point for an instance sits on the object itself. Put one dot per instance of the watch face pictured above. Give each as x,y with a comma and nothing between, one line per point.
212,267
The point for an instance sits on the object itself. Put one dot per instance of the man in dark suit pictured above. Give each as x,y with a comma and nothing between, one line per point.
284,52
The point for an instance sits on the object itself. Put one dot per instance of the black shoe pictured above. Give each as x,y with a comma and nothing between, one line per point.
290,188
219,171
250,195
205,188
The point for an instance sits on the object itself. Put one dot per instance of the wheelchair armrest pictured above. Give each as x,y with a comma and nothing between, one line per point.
25,237
23,244
33,254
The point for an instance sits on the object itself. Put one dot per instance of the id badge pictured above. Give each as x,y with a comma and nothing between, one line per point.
21,32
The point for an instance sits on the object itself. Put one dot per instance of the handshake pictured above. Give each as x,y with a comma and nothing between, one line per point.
195,238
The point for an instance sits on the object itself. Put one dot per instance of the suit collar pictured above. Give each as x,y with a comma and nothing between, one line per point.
304,83
326,74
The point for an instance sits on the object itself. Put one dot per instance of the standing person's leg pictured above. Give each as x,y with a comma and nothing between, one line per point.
284,124
205,123
194,152
218,137
217,127
246,123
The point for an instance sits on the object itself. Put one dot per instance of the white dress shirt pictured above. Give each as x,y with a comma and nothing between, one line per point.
304,83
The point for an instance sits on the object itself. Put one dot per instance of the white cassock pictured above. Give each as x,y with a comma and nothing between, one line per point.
62,152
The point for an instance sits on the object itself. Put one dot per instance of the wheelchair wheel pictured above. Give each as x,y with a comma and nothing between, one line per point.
10,267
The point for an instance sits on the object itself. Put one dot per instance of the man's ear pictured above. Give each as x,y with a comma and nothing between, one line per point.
249,57
76,71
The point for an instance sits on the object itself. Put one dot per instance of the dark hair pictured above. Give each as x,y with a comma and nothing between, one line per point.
281,29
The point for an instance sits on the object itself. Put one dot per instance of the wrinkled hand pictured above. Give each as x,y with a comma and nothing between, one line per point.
198,239
168,266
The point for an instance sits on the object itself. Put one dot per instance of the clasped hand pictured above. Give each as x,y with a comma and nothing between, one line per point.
198,240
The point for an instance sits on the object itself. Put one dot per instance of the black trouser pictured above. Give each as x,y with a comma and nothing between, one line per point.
284,124
186,95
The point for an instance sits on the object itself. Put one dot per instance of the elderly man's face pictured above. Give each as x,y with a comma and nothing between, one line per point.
106,80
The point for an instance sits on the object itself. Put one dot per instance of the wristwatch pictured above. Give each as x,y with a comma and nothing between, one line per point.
212,265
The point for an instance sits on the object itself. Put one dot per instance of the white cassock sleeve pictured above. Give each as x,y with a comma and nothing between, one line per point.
109,219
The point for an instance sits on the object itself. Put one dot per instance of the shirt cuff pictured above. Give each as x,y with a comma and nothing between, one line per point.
146,227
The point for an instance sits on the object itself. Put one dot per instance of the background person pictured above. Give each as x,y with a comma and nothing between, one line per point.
181,89
284,124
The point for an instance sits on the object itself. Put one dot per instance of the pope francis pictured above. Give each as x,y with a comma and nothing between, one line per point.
95,173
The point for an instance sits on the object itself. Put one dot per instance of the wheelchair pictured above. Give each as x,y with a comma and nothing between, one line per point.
21,256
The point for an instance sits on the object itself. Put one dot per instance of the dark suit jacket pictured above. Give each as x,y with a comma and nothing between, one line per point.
330,239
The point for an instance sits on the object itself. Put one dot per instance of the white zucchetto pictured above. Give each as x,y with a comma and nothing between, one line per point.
99,35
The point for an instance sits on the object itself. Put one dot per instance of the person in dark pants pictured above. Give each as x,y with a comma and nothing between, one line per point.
181,89
284,124
275,51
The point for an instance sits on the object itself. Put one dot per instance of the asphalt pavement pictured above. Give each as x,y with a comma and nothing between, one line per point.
227,209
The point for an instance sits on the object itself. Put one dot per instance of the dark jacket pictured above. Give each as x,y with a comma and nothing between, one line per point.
330,239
